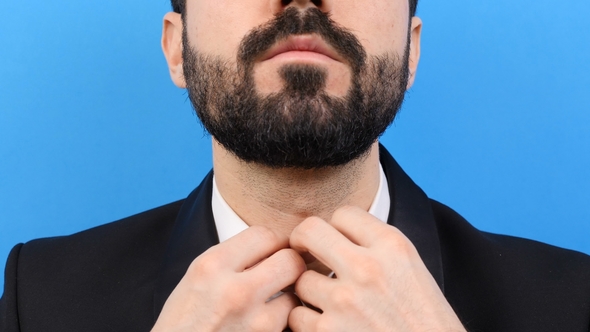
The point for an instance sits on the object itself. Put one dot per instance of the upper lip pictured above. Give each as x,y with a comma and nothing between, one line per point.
303,43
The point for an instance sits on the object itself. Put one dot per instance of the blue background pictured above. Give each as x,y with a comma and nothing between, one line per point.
496,126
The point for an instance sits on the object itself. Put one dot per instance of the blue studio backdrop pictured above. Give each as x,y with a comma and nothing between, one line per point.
92,130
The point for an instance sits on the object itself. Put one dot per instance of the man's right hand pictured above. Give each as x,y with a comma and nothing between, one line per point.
227,287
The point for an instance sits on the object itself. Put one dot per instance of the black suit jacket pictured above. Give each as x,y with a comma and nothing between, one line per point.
116,277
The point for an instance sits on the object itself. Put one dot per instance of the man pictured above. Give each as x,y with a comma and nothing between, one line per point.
306,222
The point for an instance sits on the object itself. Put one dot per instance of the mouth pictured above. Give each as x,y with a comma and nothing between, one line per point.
302,47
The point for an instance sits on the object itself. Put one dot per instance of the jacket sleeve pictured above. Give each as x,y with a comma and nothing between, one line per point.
8,303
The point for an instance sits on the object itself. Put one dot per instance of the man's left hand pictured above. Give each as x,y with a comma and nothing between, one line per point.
381,283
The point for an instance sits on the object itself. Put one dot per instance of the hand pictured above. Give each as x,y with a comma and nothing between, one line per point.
381,283
227,288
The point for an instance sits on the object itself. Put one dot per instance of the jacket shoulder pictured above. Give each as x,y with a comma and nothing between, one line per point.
106,271
452,226
521,284
146,225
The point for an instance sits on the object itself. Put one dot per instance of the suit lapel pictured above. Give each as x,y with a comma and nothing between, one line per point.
410,211
195,232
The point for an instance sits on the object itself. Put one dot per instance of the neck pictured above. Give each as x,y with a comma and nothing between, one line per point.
282,198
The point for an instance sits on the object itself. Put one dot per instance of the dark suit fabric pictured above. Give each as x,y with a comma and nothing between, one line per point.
116,277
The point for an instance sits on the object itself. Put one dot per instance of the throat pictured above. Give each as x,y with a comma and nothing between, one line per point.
280,199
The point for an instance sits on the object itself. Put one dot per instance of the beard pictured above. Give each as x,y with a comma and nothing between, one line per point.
301,126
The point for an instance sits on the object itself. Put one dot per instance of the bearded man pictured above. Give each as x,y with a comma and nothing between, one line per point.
305,223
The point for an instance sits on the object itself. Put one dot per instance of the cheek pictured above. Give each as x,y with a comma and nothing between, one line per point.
217,27
381,26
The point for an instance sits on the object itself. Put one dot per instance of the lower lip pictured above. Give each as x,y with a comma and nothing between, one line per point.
301,56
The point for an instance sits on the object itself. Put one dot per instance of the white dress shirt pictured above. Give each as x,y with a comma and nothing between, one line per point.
228,223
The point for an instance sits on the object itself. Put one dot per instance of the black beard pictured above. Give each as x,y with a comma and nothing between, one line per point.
301,126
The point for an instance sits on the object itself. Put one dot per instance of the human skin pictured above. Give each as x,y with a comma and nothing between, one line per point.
381,284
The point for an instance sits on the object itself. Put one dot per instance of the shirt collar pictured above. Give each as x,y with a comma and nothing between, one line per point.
228,223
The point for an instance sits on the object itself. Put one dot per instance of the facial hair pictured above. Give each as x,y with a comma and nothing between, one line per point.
301,126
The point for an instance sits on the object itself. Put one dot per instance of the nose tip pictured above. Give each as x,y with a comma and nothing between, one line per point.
317,3
303,4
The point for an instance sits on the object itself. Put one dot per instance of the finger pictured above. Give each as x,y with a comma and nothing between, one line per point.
280,308
280,270
303,319
359,226
324,242
314,288
249,247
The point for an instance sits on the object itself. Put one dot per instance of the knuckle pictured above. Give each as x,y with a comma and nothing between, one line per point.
344,297
206,265
302,230
367,271
309,224
399,243
326,324
300,288
295,319
260,322
292,259
281,264
236,297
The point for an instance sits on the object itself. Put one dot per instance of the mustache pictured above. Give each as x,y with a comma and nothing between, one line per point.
292,21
